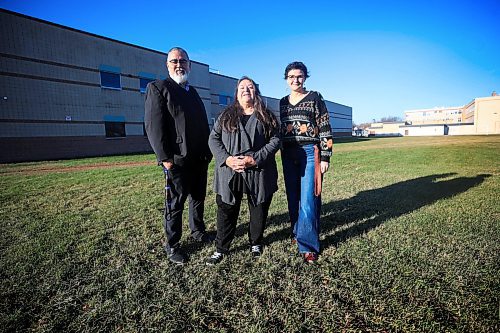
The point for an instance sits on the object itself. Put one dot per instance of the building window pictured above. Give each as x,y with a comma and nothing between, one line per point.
114,126
110,77
110,80
144,79
224,100
143,83
115,129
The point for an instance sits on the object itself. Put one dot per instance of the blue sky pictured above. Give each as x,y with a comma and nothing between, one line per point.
379,57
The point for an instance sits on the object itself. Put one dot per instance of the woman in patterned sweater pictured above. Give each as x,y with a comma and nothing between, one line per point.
307,147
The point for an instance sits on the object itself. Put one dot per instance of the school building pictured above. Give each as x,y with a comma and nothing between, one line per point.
67,93
481,116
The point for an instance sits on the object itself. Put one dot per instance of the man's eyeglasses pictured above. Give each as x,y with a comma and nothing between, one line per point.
178,61
293,77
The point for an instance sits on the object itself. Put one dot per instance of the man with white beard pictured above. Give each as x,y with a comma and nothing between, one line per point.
177,128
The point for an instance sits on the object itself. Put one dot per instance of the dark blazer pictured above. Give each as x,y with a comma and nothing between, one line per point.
261,180
171,133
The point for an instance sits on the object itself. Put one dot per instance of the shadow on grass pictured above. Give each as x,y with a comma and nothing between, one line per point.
369,209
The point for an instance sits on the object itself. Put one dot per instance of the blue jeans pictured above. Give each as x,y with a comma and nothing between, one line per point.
303,206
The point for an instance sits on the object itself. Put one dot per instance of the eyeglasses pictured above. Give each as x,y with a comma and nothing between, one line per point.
178,61
298,77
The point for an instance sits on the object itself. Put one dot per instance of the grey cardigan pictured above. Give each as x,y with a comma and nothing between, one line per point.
261,180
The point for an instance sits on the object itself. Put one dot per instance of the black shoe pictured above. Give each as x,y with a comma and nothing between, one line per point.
256,251
204,237
176,256
215,258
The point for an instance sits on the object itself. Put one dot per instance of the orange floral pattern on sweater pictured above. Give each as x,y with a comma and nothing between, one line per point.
307,122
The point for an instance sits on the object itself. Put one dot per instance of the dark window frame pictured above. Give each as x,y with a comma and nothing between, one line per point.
143,83
114,129
109,80
225,100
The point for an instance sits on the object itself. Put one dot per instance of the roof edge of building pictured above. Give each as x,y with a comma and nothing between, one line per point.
88,33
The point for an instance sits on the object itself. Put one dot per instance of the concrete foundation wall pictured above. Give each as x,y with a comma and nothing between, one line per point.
55,148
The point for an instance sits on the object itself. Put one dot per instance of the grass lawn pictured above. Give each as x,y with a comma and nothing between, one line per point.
410,237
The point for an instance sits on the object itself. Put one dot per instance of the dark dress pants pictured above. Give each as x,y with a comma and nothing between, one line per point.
227,217
188,181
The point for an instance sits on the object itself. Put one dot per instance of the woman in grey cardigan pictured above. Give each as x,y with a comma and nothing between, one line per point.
244,141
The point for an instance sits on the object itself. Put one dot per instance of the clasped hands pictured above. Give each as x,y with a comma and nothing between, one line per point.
239,163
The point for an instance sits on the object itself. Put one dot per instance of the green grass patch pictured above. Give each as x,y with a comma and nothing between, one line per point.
410,238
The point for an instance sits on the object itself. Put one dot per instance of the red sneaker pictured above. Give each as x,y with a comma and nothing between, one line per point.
310,257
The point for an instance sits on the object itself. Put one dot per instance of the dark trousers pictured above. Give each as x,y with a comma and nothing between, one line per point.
188,181
227,216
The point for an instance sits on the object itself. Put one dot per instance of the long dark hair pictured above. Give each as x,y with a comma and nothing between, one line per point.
230,116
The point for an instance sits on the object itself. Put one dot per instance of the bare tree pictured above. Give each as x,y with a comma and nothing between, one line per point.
389,119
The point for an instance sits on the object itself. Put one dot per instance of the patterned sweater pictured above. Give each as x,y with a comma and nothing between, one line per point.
307,122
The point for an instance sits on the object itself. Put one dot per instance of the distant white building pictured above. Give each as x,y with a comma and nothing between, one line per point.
479,117
438,115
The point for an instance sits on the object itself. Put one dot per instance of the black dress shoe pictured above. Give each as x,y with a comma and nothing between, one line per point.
176,256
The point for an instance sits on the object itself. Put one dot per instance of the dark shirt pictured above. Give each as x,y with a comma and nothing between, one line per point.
196,120
244,119
238,183
176,123
306,122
